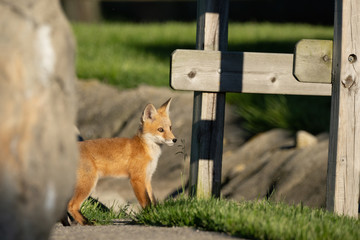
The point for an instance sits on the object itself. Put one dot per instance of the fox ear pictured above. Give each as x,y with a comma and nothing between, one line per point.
166,106
149,113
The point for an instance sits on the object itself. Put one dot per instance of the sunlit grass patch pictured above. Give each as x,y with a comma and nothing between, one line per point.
252,219
99,214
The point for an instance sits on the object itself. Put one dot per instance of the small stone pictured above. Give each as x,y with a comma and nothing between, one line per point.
305,139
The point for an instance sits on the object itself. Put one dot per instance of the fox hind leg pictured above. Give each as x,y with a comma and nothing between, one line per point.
66,219
82,192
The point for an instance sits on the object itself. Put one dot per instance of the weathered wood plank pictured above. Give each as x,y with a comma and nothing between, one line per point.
245,72
344,152
208,116
313,61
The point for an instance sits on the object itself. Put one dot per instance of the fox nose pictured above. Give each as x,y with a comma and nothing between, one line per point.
174,140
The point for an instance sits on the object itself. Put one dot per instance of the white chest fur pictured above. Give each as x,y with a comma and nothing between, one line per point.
155,152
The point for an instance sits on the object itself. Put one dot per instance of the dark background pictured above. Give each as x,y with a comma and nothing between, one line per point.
305,11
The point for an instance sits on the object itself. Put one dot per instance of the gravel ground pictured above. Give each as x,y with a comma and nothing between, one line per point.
136,232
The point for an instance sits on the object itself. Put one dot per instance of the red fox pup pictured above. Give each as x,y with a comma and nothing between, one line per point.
135,158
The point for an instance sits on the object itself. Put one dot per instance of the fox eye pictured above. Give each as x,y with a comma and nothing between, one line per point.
170,128
160,129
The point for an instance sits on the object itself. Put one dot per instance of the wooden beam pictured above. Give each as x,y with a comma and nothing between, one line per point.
313,61
344,152
244,72
209,108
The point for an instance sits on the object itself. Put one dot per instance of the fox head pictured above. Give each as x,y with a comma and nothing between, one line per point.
156,124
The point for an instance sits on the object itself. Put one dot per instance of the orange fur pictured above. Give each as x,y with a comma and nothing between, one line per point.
135,158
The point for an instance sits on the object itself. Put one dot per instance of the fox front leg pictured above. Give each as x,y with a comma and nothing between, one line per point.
150,193
141,193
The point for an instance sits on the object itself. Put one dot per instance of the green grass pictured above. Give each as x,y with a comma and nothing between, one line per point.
260,219
129,54
99,214
265,112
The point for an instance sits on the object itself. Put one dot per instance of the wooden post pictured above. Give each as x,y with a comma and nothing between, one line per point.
344,151
208,115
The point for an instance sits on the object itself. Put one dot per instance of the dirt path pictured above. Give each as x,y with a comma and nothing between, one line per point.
128,232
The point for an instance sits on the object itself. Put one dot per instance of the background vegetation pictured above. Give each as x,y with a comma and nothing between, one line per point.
129,54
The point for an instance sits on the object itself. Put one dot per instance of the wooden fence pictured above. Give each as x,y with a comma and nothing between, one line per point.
211,71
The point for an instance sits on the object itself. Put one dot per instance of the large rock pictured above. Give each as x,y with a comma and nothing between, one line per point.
302,179
38,150
279,170
253,154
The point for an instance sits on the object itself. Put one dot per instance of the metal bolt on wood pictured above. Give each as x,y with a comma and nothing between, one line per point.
326,58
352,58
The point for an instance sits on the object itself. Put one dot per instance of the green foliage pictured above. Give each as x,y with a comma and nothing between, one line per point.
128,54
99,214
264,112
273,37
255,220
